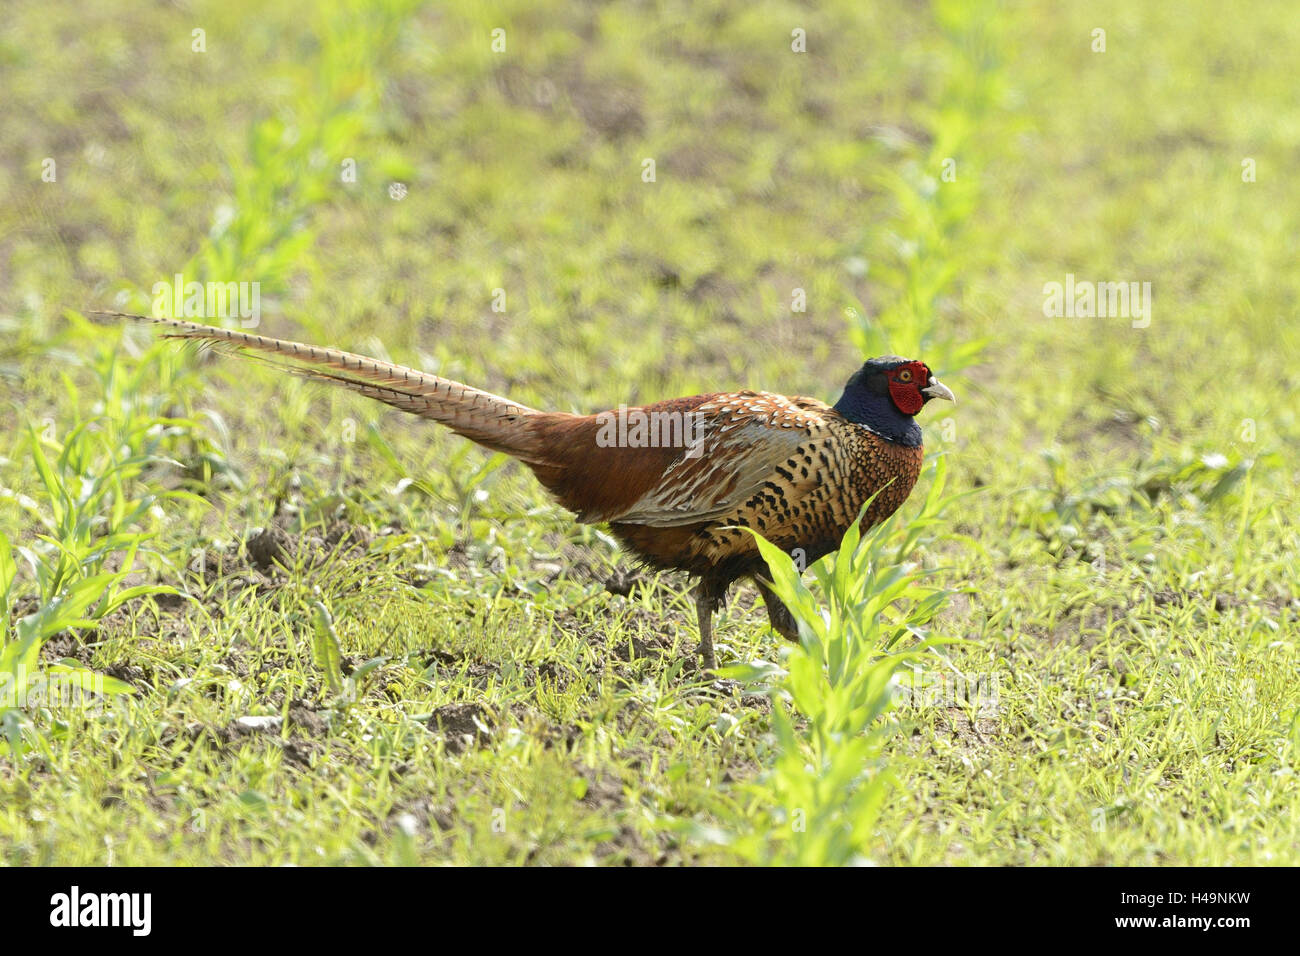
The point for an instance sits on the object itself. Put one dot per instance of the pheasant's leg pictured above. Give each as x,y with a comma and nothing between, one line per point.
704,602
782,620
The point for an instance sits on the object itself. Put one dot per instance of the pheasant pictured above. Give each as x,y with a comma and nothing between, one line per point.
679,482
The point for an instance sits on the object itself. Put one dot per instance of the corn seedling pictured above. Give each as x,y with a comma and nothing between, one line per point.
819,802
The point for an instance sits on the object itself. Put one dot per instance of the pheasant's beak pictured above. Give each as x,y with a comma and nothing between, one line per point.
936,389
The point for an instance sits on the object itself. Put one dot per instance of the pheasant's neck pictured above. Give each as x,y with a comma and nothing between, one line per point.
880,415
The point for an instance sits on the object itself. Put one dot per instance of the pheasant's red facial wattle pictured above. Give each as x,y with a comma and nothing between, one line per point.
905,384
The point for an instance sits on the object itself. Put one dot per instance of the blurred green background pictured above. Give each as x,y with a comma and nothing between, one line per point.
827,183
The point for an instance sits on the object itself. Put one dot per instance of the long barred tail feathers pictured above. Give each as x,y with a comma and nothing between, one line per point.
491,420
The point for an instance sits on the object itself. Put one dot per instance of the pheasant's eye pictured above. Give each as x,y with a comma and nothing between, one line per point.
905,375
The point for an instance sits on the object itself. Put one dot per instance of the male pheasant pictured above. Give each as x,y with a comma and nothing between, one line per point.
678,481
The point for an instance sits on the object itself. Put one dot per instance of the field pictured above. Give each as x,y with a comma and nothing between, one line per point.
255,620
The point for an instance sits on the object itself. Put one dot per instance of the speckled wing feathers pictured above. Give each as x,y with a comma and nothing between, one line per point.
744,438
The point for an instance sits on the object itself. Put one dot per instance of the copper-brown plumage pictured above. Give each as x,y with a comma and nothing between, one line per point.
793,469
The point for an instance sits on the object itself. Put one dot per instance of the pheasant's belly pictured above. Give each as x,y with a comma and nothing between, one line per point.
806,528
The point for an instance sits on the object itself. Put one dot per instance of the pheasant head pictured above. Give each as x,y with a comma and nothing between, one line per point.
886,392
